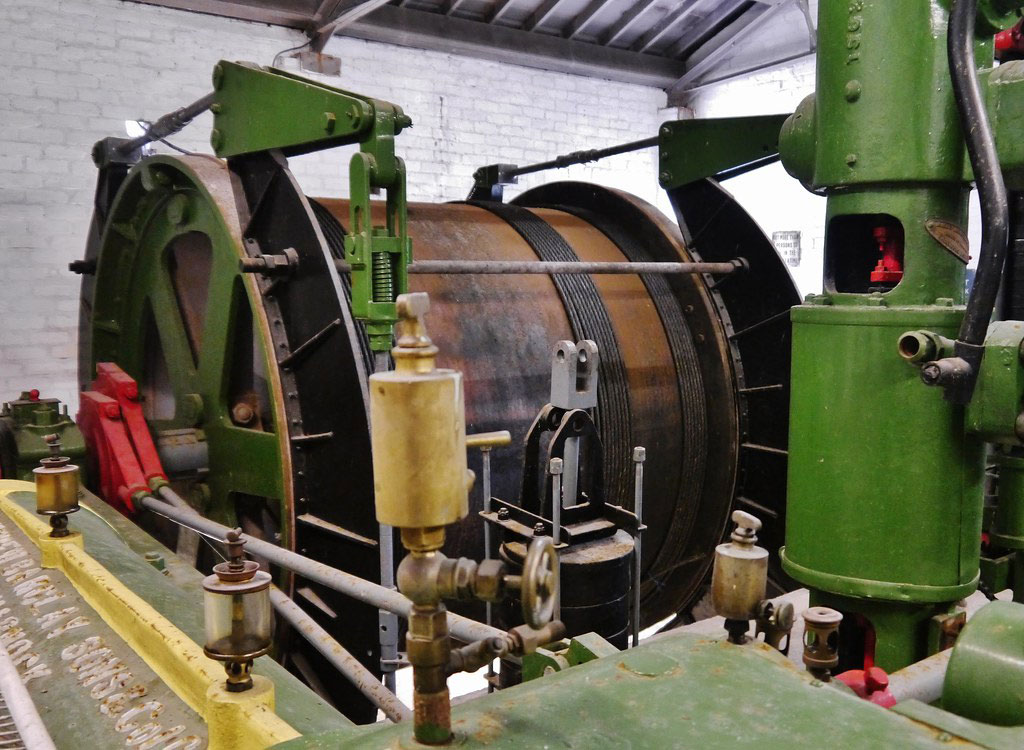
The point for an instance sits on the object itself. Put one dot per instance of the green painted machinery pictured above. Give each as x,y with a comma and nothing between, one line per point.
25,422
884,516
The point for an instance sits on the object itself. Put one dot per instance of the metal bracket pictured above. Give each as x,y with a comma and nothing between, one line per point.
489,182
299,116
574,375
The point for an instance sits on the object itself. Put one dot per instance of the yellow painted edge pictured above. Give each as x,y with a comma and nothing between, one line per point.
177,659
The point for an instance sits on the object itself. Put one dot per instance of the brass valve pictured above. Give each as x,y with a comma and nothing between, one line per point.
421,484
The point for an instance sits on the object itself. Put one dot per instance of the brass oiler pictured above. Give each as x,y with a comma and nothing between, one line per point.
56,488
417,412
421,484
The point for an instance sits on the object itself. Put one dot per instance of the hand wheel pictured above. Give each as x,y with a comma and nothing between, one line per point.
540,582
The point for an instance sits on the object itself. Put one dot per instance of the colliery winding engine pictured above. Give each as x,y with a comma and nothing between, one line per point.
238,306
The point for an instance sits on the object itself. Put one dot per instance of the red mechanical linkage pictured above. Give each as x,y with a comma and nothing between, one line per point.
890,267
123,456
871,684
114,382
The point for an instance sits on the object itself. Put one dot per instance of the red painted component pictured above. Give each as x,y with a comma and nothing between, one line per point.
122,454
33,395
114,382
890,267
1010,43
871,684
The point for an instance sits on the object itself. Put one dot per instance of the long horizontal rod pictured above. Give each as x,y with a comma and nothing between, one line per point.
364,680
338,580
169,124
559,267
581,157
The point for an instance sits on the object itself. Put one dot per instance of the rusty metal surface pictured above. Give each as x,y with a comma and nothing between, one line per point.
499,331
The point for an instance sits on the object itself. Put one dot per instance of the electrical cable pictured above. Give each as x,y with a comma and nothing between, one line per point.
148,128
290,49
981,149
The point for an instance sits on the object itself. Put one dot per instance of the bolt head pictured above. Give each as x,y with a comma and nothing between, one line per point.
852,90
555,466
639,454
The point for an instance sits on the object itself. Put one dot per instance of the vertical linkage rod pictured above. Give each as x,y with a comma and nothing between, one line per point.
485,456
555,469
387,622
639,456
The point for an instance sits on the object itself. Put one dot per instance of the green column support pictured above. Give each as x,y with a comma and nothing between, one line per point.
885,483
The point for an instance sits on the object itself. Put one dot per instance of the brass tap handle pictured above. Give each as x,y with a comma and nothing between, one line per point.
539,583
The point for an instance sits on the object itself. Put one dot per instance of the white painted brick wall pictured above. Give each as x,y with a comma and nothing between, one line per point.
75,70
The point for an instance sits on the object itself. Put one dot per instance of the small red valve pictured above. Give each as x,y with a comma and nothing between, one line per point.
871,684
889,269
1010,43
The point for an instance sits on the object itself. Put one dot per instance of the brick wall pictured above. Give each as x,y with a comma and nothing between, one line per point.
75,70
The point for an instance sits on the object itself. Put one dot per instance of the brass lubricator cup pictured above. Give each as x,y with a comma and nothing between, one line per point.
238,614
821,641
739,576
56,488
420,480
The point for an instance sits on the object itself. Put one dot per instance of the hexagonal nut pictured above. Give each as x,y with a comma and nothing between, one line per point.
639,454
489,582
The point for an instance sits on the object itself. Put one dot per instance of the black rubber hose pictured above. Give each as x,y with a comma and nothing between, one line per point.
981,148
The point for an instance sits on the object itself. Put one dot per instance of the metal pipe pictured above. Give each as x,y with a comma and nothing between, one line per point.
555,467
21,707
387,623
559,267
639,456
485,454
337,580
921,681
169,124
364,680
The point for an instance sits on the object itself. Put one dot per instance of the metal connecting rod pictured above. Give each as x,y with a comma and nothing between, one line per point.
338,580
339,657
169,124
363,679
556,267
387,623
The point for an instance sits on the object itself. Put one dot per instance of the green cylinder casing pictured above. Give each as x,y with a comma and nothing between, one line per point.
885,488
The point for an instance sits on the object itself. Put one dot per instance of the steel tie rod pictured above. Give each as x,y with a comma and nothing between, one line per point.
370,593
383,697
363,679
512,267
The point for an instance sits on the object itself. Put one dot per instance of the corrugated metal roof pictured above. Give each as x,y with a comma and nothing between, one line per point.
673,44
